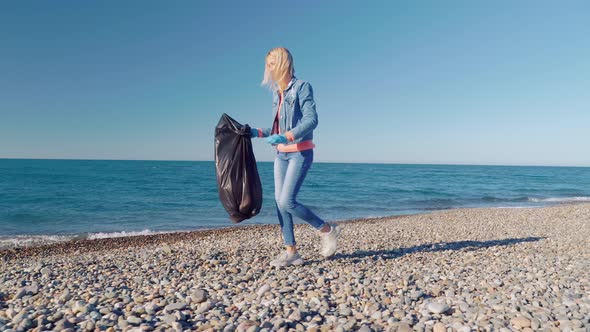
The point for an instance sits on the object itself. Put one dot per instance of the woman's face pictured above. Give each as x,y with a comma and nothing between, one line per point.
271,66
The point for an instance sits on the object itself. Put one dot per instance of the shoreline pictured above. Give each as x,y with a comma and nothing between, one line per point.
77,244
484,269
138,241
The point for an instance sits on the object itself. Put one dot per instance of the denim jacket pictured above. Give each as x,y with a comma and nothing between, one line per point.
297,113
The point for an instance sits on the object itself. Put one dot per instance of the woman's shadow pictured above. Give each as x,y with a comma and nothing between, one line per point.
432,247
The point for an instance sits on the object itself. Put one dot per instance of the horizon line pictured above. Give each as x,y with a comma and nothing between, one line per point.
319,162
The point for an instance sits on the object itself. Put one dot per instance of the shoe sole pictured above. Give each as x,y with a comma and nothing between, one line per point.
295,262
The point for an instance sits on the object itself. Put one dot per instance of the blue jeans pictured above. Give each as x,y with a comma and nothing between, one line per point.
290,170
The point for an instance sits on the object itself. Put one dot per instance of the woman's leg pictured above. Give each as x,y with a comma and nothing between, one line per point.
298,163
285,218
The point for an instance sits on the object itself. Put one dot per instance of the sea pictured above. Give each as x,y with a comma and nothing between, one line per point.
45,201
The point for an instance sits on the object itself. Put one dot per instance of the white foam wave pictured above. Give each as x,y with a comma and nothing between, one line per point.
32,240
94,236
560,199
36,240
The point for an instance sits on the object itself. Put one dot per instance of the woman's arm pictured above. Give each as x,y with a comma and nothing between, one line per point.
260,132
309,121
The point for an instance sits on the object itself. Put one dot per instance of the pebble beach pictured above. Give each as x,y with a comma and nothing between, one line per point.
500,269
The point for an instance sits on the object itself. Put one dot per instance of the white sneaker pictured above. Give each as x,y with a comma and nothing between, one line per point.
287,259
330,240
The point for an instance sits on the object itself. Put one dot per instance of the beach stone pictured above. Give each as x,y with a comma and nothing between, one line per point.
17,319
177,327
81,307
175,306
204,307
404,327
295,316
376,315
26,324
134,320
245,325
65,296
104,311
151,308
166,248
277,323
199,296
520,322
266,325
262,290
63,324
87,325
416,295
439,327
10,313
365,328
180,316
32,289
229,328
110,295
535,324
464,307
437,308
41,320
168,319
21,292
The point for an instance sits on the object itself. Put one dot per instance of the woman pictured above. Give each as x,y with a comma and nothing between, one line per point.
295,118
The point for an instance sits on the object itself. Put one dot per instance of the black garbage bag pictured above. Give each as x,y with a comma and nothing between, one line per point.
238,182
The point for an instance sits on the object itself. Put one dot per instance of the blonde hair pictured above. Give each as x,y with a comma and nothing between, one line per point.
283,69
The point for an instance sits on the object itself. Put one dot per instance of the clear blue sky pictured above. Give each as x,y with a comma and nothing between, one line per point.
465,82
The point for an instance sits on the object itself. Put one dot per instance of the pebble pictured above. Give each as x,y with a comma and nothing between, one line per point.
175,306
439,327
199,296
20,294
520,322
404,327
265,288
437,308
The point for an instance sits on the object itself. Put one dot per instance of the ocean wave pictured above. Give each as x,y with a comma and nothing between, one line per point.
526,199
16,241
560,199
32,240
100,235
494,199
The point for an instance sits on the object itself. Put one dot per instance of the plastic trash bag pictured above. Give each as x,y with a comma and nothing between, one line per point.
238,182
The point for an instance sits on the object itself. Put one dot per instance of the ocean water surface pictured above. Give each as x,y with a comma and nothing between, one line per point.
43,201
